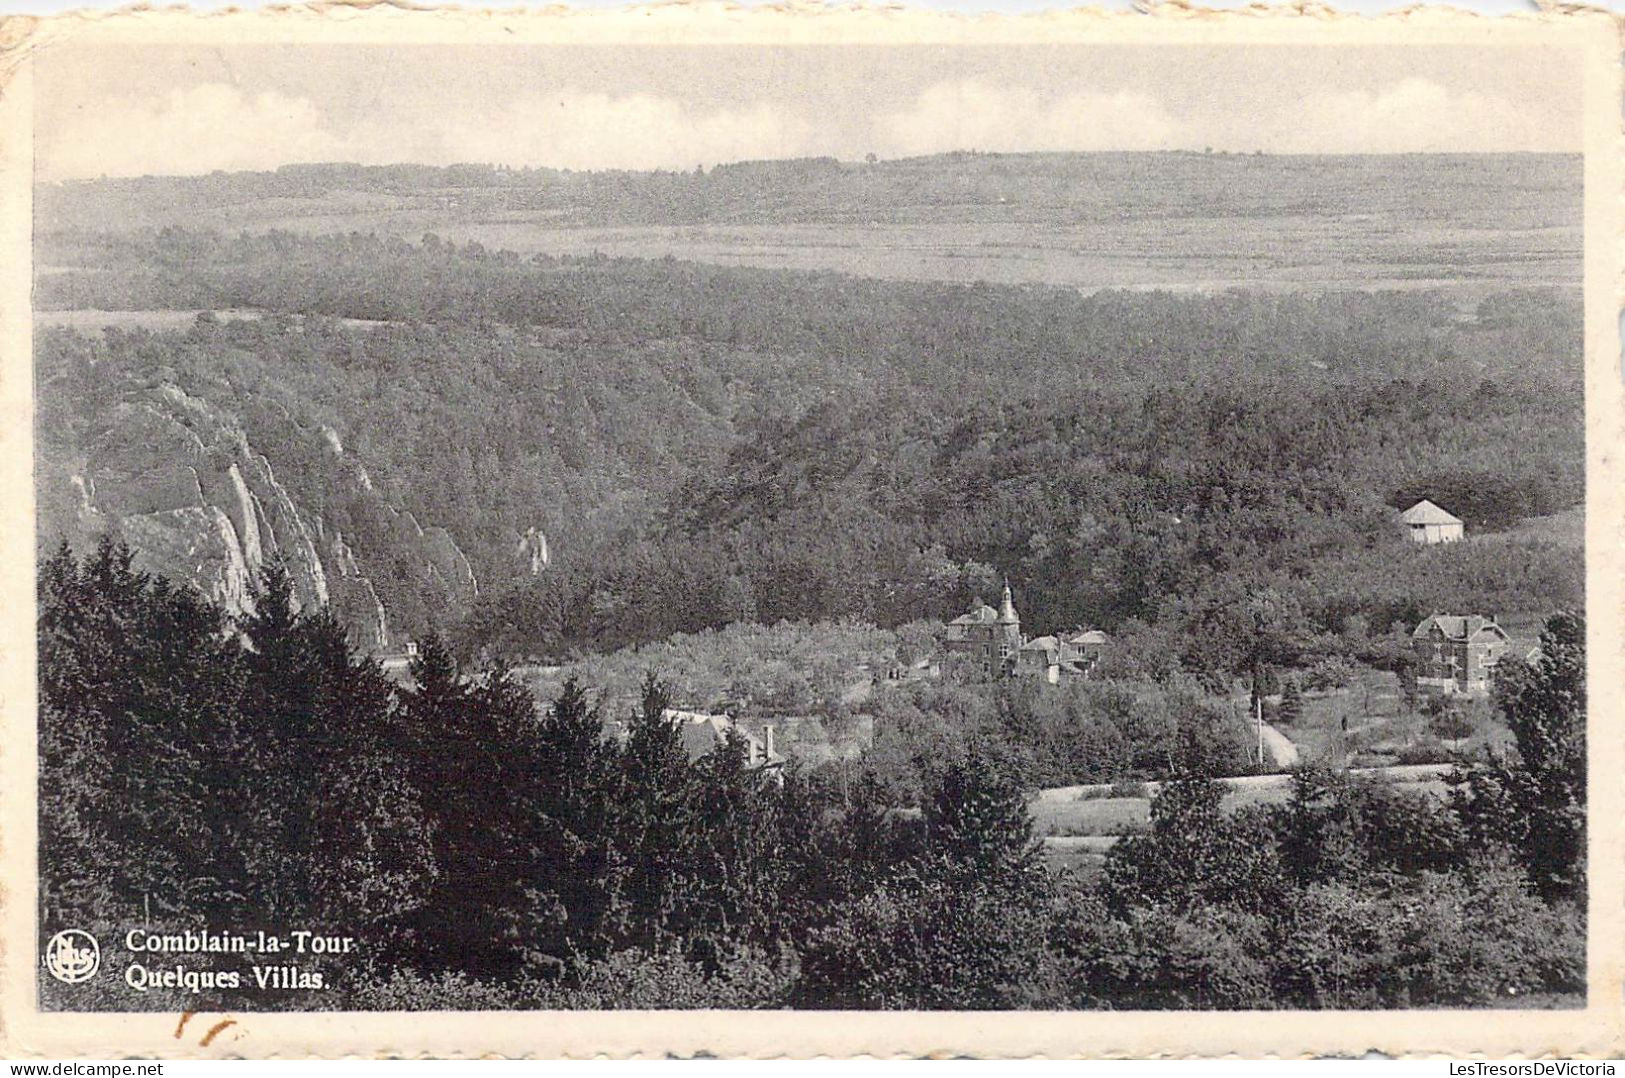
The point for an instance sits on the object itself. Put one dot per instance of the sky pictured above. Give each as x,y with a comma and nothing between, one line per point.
127,111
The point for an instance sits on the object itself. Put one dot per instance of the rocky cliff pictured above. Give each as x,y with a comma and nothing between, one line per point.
201,499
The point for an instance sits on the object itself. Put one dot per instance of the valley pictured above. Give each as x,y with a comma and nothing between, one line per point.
621,571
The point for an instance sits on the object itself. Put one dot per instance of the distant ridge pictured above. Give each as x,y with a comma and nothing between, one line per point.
1169,219
466,171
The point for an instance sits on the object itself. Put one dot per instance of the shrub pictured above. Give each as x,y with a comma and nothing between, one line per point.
1334,672
1424,751
1334,947
1451,725
743,978
1157,957
919,942
1486,940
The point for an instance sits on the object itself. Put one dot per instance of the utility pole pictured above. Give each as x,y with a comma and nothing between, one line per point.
1259,711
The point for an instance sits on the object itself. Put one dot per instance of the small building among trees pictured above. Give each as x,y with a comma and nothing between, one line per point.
1427,523
1457,654
992,640
702,733
1065,655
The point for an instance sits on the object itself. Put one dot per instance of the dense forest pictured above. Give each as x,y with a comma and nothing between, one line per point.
705,445
487,853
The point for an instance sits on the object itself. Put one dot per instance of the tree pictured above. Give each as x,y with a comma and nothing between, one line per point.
578,869
1545,705
656,824
1321,830
1332,672
1451,724
1193,855
1531,805
977,820
1291,711
961,922
472,752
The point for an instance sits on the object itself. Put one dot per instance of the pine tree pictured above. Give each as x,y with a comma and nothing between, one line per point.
137,681
1291,712
472,756
578,867
656,825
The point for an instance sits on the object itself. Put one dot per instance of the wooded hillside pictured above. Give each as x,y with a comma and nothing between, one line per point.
704,445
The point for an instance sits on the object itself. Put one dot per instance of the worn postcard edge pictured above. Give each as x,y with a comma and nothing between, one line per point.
1594,1031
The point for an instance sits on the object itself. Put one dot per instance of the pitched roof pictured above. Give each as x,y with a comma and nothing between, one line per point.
981,614
701,734
1041,643
1425,512
1458,627
1088,636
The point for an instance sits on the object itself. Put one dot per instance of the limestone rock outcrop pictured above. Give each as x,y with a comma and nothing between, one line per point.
198,500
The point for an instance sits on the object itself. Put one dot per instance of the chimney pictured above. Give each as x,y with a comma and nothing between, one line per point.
767,743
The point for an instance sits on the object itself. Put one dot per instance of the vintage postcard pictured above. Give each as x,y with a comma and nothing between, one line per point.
628,533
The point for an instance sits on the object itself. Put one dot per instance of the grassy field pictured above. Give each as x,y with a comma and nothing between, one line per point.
1370,716
1077,833
1077,830
1373,706
1096,816
1566,529
86,320
1471,224
1080,863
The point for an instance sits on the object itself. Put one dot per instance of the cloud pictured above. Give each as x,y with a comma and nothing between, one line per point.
1413,115
637,131
1417,115
215,126
971,115
192,130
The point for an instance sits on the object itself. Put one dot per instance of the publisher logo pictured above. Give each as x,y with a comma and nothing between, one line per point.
72,956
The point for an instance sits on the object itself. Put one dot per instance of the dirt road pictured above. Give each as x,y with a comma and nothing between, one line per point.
1400,773
1280,747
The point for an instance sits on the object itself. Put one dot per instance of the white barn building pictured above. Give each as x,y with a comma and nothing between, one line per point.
1427,523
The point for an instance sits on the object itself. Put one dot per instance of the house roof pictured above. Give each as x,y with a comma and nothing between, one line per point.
1458,627
701,733
980,614
1089,636
1425,512
1041,643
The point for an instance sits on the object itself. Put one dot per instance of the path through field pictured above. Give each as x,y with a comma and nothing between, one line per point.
1281,748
